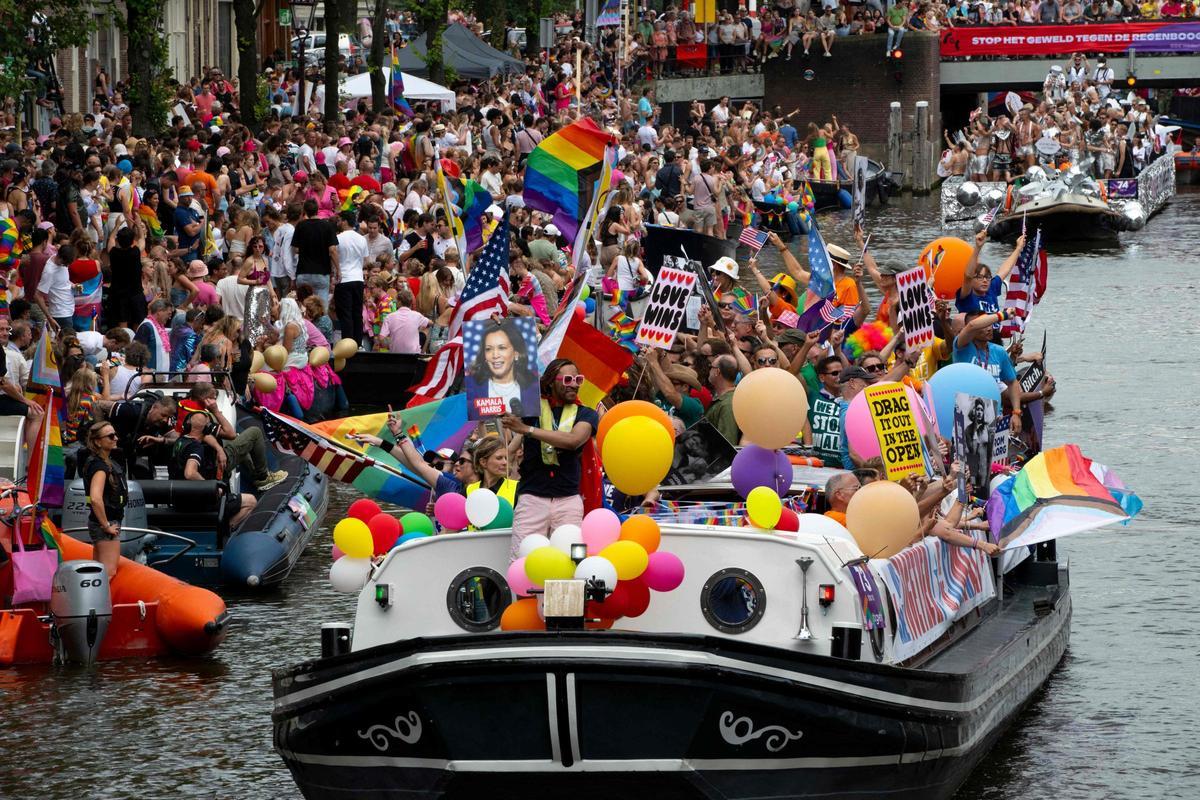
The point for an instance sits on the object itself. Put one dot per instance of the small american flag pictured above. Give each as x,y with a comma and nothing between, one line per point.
991,215
753,238
836,314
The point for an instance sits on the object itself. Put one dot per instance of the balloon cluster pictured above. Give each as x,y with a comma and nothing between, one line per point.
483,509
275,357
636,441
623,556
367,532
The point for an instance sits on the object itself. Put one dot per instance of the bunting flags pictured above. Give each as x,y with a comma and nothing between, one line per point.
396,88
46,473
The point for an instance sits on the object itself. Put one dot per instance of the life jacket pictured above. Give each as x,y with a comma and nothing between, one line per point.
507,490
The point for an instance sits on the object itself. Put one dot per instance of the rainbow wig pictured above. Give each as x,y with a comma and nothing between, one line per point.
872,336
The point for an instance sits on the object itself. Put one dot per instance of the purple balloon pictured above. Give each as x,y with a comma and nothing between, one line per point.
755,466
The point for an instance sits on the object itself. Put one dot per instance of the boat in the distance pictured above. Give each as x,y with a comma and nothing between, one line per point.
1066,205
785,665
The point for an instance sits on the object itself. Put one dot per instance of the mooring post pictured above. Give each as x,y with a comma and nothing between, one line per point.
921,153
895,138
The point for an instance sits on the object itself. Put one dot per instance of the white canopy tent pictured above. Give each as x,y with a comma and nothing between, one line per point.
415,88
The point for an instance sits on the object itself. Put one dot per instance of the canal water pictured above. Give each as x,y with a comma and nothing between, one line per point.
1115,721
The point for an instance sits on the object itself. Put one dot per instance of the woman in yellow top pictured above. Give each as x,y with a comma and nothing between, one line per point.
490,459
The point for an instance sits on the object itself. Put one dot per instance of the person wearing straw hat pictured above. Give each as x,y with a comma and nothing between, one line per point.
672,383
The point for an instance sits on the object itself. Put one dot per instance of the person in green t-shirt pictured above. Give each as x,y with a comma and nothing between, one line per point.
824,412
897,23
722,377
673,384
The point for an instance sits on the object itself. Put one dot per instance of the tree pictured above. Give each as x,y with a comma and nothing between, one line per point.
245,17
378,37
148,72
33,31
431,14
338,14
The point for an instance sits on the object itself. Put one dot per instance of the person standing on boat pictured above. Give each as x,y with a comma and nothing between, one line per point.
108,494
838,491
981,290
549,492
974,345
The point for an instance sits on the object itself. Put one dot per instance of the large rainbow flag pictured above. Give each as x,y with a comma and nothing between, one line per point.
88,296
601,361
561,174
438,424
43,369
46,474
11,243
475,201
1057,493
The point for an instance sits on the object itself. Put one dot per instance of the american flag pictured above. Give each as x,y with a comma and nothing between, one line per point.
836,314
485,293
753,238
821,282
1026,285
991,215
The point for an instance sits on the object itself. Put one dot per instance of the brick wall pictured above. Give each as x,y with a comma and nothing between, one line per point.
857,86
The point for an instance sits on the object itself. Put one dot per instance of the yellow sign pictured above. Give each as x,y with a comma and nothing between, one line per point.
896,427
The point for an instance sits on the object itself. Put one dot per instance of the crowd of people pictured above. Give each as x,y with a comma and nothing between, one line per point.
216,240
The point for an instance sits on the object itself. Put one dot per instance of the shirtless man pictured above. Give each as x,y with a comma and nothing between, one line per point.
1027,132
981,149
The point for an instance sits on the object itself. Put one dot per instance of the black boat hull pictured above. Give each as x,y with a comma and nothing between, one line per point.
1060,227
606,714
379,379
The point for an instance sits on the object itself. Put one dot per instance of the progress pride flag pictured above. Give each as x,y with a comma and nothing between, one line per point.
1051,40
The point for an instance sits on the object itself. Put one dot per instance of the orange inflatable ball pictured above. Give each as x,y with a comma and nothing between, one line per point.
883,518
642,529
632,408
945,260
522,616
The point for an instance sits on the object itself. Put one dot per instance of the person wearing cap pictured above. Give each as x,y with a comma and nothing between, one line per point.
461,473
189,225
673,384
1103,77
851,381
545,246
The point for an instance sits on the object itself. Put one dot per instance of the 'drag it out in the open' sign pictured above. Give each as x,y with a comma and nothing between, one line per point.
666,309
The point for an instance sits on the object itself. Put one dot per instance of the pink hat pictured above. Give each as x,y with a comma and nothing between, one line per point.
300,176
46,226
222,151
345,140
249,146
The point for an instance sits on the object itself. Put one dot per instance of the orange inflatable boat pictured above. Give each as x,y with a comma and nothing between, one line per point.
153,614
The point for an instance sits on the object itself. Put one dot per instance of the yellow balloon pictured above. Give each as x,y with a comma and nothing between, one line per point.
771,407
883,518
264,382
630,558
318,356
637,454
764,507
257,361
354,538
275,356
548,564
345,348
339,364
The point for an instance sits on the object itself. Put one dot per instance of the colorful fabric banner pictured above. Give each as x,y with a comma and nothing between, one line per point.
11,244
396,88
46,473
561,172
932,584
43,369
609,15
1055,40
601,361
1059,492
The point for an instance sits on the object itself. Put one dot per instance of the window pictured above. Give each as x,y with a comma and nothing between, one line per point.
476,598
733,600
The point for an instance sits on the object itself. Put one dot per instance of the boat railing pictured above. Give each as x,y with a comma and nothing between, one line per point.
142,533
177,379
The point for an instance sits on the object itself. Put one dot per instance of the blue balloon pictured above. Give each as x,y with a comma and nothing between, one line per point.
844,199
589,305
949,381
408,537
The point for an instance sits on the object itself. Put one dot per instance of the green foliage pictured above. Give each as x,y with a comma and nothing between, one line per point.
262,105
149,91
22,42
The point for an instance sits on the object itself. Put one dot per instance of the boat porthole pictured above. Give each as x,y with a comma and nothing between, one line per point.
733,600
476,598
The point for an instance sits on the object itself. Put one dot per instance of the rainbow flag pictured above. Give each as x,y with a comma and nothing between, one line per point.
438,424
743,301
624,330
561,173
11,243
1057,493
475,201
46,475
396,91
43,370
601,361
448,203
153,226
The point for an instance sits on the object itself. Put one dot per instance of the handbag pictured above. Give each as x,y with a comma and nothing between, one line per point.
33,572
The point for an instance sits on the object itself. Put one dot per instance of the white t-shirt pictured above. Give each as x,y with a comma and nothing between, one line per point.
378,246
647,135
122,378
283,261
18,367
720,113
308,159
352,251
492,182
56,285
232,296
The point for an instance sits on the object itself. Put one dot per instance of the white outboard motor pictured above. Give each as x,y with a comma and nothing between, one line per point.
81,607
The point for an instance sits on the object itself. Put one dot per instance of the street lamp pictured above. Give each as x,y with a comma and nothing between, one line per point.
302,20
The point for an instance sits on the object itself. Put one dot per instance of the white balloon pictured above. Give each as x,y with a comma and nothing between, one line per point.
599,568
566,535
482,507
821,525
349,575
530,543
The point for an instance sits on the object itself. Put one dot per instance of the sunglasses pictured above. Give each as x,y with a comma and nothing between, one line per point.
724,306
458,462
832,372
107,436
571,380
764,362
874,368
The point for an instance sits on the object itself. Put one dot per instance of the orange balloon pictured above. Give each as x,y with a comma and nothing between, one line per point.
642,529
632,408
522,616
945,261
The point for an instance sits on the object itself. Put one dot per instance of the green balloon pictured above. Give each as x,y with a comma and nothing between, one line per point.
416,522
587,290
503,517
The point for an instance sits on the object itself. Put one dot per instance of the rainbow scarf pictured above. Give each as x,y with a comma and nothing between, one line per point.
12,244
1057,493
151,219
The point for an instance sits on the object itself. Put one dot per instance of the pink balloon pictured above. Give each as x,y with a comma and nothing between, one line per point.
518,581
664,572
601,528
451,511
337,552
861,431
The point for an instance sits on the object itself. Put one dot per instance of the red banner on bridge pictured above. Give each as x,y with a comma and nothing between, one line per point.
1052,40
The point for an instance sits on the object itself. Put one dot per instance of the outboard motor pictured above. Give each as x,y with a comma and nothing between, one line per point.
134,543
81,607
